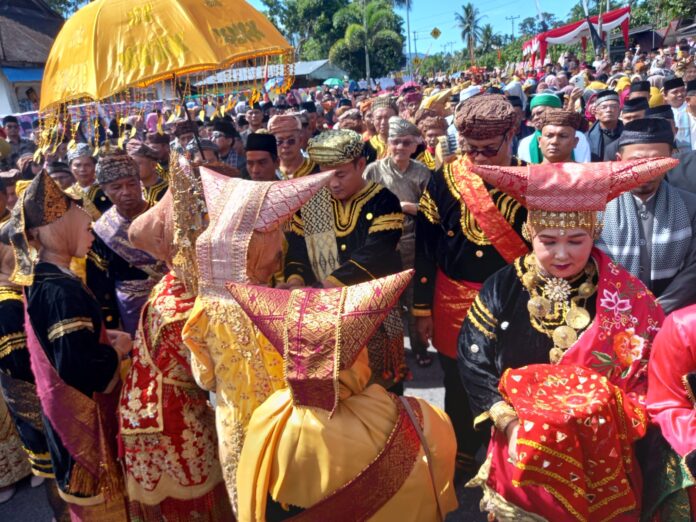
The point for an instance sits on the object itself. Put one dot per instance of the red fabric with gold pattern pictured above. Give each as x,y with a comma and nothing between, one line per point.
167,432
320,331
573,187
478,200
616,346
454,298
575,437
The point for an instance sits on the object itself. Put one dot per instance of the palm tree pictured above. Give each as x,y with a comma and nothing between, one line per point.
469,21
383,42
488,38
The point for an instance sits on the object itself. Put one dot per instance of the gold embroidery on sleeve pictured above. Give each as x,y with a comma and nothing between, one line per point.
69,326
393,221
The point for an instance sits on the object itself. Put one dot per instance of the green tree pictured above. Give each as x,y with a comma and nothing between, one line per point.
432,64
528,26
594,7
488,38
308,24
469,22
548,21
383,38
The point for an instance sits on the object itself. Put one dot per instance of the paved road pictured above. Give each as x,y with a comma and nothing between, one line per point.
30,505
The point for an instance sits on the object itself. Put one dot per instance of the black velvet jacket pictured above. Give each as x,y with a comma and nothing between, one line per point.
17,381
498,334
104,268
67,322
368,229
449,238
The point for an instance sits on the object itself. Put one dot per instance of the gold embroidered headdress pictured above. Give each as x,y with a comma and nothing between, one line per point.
320,331
335,147
236,208
40,204
169,230
569,195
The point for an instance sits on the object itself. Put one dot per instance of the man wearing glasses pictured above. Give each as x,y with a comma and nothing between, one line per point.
287,130
18,144
608,126
465,231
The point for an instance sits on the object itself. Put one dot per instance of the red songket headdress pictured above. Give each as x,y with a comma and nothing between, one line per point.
320,331
578,419
569,195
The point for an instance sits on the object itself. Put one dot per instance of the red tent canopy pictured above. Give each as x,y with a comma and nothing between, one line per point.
577,32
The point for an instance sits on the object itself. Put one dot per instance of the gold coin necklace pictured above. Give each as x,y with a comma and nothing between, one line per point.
550,298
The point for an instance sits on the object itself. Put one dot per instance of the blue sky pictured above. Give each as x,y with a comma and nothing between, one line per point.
427,14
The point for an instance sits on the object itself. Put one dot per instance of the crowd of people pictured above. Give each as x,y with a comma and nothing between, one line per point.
203,317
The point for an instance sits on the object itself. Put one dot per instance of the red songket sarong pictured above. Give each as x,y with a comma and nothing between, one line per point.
454,298
575,455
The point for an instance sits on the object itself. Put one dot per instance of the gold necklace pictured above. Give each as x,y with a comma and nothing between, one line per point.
551,299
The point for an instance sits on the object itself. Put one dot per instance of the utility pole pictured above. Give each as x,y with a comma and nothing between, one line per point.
608,37
415,45
512,23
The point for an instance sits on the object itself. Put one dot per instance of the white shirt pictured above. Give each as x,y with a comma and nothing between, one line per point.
684,136
581,150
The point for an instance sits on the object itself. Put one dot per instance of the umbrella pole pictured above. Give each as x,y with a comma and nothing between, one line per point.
188,116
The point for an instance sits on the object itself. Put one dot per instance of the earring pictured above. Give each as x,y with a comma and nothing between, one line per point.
526,235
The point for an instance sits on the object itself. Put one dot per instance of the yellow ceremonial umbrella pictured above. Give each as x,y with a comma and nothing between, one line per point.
111,45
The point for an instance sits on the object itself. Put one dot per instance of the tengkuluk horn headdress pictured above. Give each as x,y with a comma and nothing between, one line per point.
236,208
569,195
320,331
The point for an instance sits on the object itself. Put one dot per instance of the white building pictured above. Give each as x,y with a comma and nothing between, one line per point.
27,30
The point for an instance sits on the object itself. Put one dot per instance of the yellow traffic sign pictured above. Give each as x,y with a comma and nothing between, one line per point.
435,33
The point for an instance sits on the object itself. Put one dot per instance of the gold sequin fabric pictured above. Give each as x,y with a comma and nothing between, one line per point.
230,358
321,331
335,147
14,465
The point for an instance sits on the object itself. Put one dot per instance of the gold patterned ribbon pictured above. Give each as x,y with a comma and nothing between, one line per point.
478,200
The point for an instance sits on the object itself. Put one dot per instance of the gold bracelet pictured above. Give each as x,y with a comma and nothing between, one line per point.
502,414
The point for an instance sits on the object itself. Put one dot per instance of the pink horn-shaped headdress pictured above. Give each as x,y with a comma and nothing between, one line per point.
320,331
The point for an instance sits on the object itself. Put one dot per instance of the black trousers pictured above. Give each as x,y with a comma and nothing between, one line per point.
457,407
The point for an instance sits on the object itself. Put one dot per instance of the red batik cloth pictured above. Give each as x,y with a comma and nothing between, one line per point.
575,438
168,437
